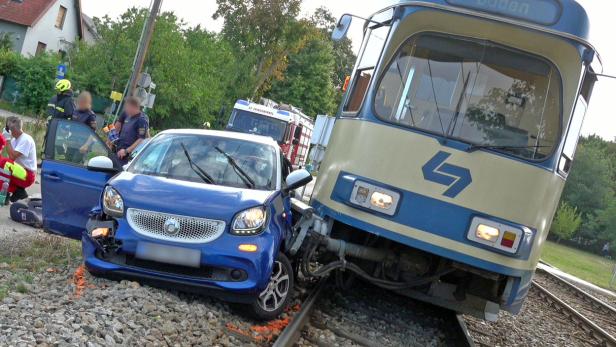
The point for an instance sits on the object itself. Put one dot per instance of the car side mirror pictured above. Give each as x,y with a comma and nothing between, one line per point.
101,164
342,28
297,179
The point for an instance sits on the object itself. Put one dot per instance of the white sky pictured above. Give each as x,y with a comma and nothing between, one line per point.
601,117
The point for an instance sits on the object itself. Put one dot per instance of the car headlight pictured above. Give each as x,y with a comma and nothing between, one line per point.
113,204
249,222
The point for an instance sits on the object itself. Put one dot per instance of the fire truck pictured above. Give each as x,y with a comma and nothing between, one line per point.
286,124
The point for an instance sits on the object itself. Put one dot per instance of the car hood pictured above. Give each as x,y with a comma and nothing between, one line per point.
185,198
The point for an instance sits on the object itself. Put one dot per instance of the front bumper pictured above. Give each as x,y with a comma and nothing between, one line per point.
219,259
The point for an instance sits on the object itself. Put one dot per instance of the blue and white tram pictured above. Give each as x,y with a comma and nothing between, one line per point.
452,147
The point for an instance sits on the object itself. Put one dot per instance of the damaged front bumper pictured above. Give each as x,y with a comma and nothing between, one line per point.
222,271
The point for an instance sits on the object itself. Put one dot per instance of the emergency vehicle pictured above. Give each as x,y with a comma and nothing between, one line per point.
286,124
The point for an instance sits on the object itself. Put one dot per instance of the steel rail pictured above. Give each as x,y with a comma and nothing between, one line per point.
464,331
588,297
289,336
599,333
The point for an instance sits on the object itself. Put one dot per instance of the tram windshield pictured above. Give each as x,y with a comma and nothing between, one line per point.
474,91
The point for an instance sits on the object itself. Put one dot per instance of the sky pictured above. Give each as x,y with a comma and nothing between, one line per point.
601,116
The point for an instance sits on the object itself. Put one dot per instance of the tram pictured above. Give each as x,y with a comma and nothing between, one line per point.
451,149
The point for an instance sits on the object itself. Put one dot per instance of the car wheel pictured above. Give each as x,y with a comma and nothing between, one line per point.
276,296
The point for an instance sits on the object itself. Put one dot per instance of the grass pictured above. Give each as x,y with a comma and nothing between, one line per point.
587,266
35,254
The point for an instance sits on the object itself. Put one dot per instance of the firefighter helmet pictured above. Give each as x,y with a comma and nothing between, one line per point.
63,85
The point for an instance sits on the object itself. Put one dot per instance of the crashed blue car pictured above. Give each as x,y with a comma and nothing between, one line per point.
195,210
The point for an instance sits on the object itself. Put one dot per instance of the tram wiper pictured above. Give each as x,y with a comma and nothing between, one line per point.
472,148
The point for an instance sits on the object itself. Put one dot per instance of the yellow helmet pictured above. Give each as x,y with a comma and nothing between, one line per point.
63,85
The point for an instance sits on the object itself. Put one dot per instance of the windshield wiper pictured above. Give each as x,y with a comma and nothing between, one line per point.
196,168
249,182
472,148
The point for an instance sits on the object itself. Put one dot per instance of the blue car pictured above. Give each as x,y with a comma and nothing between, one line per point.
196,210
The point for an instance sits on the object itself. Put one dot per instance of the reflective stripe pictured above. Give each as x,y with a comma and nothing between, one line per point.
51,105
59,109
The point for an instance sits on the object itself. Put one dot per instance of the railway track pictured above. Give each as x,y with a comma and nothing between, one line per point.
592,315
368,316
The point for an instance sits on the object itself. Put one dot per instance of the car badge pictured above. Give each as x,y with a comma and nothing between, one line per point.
171,227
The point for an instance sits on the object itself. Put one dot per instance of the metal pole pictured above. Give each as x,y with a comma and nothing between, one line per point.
142,48
144,45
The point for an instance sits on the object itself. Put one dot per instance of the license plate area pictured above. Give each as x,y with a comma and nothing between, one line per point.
168,254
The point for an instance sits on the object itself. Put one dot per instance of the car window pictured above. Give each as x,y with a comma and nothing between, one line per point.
76,143
164,156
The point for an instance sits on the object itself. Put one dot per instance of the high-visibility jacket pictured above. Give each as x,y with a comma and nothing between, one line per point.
61,106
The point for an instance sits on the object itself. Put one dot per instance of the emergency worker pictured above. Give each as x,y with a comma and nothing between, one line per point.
133,128
80,141
61,105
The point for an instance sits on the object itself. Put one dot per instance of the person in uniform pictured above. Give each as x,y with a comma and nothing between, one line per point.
61,105
133,128
80,141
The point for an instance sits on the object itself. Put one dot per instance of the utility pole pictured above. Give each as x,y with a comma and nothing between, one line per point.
144,44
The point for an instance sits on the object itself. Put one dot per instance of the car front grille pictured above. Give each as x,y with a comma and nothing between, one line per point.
172,227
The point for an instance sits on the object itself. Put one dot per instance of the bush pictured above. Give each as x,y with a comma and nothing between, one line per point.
8,61
35,78
567,222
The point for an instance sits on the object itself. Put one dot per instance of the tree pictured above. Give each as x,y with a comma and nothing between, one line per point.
264,33
35,80
603,224
307,82
567,222
588,184
344,57
193,68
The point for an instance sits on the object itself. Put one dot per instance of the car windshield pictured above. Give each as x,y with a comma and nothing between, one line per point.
165,156
474,91
253,123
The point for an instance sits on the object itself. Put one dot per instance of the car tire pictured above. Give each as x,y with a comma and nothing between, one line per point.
276,296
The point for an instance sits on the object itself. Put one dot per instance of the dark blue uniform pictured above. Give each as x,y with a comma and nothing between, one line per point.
87,117
133,128
61,105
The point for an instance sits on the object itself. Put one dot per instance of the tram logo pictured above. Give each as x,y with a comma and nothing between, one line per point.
455,177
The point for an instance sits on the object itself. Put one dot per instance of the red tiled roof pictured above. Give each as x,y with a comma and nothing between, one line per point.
24,12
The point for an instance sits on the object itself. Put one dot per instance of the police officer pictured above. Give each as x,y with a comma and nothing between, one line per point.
61,105
133,128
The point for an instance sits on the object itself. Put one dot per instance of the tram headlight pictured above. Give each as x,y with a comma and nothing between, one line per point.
488,233
375,198
381,200
502,236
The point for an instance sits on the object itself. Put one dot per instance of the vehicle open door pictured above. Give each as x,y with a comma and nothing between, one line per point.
69,190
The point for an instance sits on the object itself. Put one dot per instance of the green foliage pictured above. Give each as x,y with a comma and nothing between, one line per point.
35,80
263,33
8,61
308,79
588,185
567,221
193,68
591,188
6,41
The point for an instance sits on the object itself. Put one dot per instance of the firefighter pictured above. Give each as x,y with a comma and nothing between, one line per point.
61,105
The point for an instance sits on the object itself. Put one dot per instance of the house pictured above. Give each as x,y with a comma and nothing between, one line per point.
41,25
90,35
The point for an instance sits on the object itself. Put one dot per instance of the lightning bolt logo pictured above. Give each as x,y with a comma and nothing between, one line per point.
455,177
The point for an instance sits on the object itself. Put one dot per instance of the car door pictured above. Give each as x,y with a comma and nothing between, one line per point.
69,190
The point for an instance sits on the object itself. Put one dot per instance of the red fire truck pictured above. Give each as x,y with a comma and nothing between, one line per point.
288,125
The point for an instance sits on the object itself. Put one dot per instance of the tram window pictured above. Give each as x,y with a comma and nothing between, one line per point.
365,69
474,91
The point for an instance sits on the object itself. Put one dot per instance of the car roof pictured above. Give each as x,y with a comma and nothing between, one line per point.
226,134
